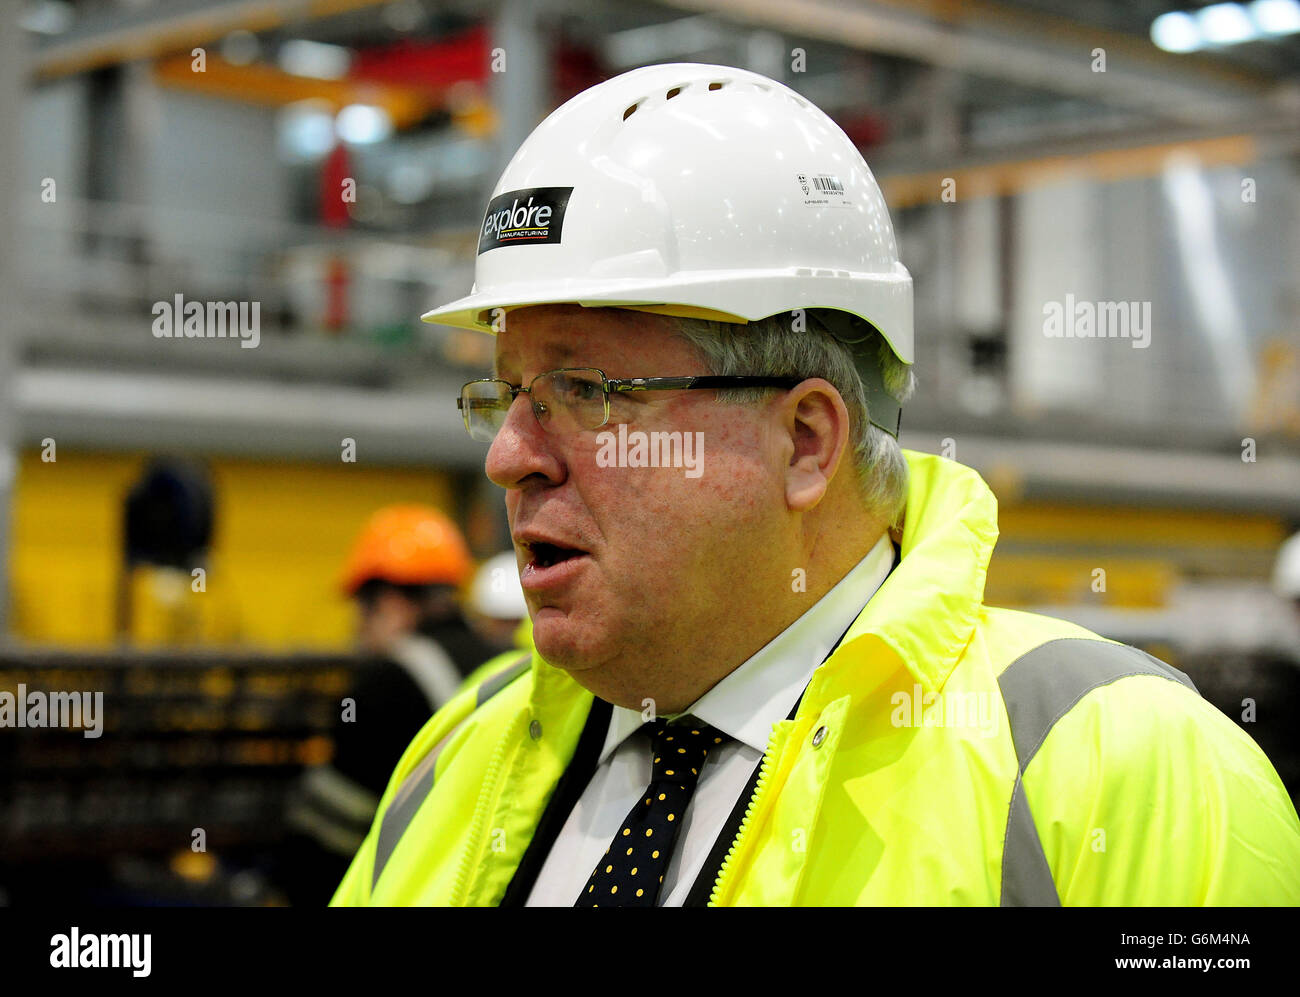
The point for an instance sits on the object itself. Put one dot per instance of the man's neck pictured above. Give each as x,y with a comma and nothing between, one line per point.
798,597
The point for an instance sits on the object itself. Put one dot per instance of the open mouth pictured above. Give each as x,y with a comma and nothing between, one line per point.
546,555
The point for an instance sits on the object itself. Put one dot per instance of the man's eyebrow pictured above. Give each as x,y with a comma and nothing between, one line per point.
560,353
556,355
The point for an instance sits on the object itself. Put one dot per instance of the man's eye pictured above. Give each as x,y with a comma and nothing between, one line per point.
580,390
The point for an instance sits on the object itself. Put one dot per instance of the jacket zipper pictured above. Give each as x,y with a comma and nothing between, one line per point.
764,773
486,800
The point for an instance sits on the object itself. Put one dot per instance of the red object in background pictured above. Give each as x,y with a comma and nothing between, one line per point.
863,129
334,213
336,294
437,65
577,68
333,172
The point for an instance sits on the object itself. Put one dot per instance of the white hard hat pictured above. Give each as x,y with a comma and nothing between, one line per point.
689,190
1286,569
496,591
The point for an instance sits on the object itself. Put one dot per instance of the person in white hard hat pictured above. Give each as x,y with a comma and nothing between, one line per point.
496,602
764,672
1286,571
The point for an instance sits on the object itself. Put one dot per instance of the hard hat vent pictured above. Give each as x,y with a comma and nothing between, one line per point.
674,91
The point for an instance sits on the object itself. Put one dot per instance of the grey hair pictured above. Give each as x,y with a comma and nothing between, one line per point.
801,344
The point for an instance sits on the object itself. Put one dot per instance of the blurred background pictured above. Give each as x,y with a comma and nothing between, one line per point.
176,513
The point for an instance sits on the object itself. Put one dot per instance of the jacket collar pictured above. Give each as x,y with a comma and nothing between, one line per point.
925,613
922,617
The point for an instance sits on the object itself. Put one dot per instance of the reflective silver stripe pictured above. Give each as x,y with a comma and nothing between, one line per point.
328,806
415,787
402,807
502,679
1026,876
330,831
429,666
349,798
1039,688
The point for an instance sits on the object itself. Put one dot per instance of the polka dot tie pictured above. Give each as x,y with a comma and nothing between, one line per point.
631,872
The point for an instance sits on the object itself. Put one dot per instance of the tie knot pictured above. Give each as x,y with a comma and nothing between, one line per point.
681,747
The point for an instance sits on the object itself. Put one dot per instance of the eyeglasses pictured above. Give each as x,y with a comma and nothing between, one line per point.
577,398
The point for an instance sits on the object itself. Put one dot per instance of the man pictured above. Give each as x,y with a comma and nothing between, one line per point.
497,609
763,670
1286,573
403,572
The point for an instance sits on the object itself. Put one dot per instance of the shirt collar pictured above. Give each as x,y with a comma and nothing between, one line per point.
761,692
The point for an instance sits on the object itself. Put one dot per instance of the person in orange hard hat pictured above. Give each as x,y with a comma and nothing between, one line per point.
404,572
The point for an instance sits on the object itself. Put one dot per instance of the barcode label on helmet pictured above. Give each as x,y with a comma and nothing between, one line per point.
822,190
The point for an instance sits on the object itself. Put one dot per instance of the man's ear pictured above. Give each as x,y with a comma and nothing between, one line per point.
817,421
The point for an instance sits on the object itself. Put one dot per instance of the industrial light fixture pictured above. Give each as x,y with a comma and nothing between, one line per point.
1276,17
306,131
315,59
1224,24
1176,32
48,17
363,124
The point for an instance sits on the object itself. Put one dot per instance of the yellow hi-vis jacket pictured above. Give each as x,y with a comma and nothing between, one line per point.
945,753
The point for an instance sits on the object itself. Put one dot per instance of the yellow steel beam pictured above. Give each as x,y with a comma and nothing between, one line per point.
1151,529
1024,579
259,83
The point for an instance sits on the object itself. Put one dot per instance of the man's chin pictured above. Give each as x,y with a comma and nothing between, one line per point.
564,643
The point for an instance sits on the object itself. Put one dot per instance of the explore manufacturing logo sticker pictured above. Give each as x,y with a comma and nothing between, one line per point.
526,217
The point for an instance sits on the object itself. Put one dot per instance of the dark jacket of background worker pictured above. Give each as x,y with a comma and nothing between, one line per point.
404,573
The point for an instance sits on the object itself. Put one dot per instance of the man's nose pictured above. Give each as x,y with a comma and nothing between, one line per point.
522,449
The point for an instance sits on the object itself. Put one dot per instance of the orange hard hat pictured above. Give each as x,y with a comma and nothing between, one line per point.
408,545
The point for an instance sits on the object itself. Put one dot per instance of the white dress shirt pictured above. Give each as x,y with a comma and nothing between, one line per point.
746,704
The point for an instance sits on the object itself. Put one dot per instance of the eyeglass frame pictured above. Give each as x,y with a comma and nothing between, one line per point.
630,384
